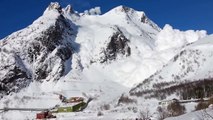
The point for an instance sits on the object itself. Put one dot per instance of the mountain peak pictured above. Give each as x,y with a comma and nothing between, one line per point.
132,15
69,9
129,11
54,6
122,8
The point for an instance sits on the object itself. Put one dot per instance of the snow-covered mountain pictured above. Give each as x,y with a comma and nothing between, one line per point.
191,67
37,52
187,76
101,56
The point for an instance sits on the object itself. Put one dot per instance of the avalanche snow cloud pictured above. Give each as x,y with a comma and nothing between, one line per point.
71,53
171,38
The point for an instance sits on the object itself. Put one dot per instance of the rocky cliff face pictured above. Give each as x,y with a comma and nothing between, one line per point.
118,45
37,52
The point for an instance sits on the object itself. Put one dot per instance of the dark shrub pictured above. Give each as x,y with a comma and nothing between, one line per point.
176,109
126,100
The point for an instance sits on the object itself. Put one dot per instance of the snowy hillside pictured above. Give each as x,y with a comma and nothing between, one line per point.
198,115
191,65
186,77
92,55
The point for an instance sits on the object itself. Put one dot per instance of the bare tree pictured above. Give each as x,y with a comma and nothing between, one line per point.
206,114
145,115
100,113
162,113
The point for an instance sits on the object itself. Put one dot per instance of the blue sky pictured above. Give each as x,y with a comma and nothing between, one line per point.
181,14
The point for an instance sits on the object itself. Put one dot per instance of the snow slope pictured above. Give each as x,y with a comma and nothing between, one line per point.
188,69
193,63
206,114
147,54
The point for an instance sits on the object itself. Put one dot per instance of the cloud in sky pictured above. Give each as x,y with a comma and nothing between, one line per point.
93,11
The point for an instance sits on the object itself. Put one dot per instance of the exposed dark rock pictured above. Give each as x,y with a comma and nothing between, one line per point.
69,9
55,5
118,45
15,79
41,72
34,51
125,9
52,37
143,18
64,53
